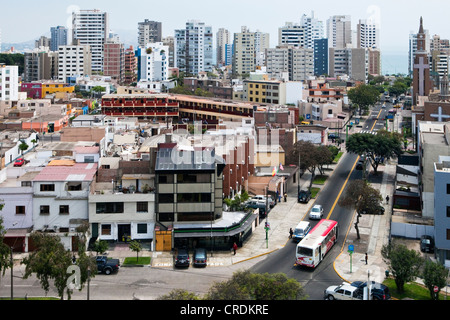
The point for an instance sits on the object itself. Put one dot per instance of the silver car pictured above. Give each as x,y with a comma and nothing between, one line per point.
316,212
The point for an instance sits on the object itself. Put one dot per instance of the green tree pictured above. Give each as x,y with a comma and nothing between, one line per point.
363,96
359,195
23,146
403,263
100,246
245,285
434,274
5,251
379,147
136,246
179,294
50,261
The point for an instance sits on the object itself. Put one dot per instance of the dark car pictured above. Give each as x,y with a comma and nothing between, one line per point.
377,209
360,165
200,257
304,196
379,291
106,265
182,258
19,162
426,243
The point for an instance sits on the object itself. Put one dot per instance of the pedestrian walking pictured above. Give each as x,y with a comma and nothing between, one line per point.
291,232
387,199
366,258
234,248
285,197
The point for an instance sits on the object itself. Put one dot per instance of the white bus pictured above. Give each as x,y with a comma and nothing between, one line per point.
313,248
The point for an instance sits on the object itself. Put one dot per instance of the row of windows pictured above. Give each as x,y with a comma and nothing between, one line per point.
185,198
142,228
118,207
185,178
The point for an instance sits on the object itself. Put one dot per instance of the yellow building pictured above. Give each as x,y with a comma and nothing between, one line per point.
56,87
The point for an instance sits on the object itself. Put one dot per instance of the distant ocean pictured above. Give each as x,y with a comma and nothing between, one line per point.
394,63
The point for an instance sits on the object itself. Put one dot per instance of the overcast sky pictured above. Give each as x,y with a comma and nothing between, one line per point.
29,19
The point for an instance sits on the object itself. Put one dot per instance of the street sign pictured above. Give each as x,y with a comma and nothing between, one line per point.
351,248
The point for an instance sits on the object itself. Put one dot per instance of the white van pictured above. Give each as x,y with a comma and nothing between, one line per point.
301,230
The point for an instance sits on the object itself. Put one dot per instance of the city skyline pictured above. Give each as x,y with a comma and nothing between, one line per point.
396,20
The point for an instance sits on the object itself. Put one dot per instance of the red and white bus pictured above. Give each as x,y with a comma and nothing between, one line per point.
312,249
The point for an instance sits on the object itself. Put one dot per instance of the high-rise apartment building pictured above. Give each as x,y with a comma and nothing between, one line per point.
249,49
9,83
130,75
59,37
367,34
40,64
114,60
73,60
339,31
170,42
313,29
296,63
194,48
91,27
222,38
149,32
352,62
291,34
42,42
320,57
153,64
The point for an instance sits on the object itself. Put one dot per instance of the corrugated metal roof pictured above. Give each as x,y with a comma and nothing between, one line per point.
71,172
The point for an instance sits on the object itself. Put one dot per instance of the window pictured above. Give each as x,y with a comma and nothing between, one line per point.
64,209
47,187
193,197
26,183
89,159
165,178
109,207
142,206
448,188
73,186
142,228
20,209
448,212
44,210
106,230
165,198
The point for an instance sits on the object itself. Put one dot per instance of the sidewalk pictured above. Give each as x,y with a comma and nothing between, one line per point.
374,233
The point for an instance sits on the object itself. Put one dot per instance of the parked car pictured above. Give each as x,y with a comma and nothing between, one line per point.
19,162
256,204
426,243
360,165
107,266
182,258
345,291
200,257
262,199
377,209
316,212
304,196
378,290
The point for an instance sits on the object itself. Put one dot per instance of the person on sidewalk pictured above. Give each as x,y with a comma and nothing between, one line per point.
285,197
234,248
366,258
291,232
387,199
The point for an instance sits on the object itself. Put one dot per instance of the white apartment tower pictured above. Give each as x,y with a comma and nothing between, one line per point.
73,60
313,29
194,48
222,38
367,35
292,34
91,27
339,31
153,62
9,83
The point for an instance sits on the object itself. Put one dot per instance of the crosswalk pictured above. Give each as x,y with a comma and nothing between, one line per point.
368,131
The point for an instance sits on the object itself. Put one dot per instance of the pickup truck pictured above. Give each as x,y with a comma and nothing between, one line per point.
107,266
